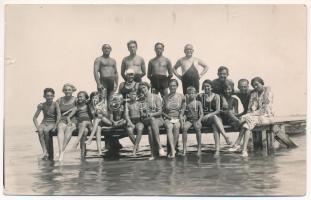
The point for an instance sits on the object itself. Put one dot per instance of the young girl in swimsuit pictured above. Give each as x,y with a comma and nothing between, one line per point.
193,116
100,110
51,117
84,116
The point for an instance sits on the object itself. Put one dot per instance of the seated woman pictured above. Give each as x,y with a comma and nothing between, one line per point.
259,111
129,84
51,117
132,116
230,106
151,115
172,105
66,125
101,117
211,108
84,116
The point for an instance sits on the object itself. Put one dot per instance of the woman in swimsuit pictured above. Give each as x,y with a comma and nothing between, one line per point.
66,125
173,103
51,117
84,116
211,109
259,112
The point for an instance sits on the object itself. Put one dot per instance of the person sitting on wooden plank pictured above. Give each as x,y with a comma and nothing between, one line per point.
193,111
132,116
211,109
129,85
259,111
51,117
219,83
244,94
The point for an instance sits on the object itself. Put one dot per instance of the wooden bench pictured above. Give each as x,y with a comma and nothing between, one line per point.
264,135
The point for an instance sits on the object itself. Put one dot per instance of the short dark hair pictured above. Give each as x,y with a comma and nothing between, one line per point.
221,68
257,79
191,88
46,90
228,84
106,45
158,43
243,80
85,94
131,42
207,81
173,80
145,84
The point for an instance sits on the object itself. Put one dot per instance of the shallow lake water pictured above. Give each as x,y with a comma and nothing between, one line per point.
283,173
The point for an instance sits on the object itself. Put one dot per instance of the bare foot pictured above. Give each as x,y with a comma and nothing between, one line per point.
61,156
216,154
228,141
199,152
244,154
151,158
184,152
88,142
43,155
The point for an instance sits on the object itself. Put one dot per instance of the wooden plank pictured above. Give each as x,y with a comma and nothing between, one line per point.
282,137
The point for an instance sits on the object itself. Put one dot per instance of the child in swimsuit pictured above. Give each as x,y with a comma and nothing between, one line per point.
193,116
84,116
132,116
116,109
101,117
51,117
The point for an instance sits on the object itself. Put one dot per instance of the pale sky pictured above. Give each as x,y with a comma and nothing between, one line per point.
49,45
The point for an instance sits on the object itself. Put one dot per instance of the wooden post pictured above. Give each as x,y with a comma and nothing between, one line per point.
270,140
83,146
282,137
257,142
264,141
48,138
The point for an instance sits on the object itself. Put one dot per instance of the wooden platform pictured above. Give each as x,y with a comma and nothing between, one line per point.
264,135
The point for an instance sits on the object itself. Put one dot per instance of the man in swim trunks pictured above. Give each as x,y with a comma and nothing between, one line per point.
190,75
105,71
244,94
160,71
134,62
219,83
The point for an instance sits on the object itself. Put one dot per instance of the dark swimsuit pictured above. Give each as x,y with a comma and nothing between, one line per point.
208,106
159,82
65,107
126,89
83,114
191,78
49,113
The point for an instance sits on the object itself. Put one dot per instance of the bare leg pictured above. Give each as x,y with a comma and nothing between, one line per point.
82,143
98,140
42,142
247,133
151,143
94,129
169,129
176,130
197,127
139,128
187,125
82,127
60,137
68,133
216,139
156,136
130,132
221,129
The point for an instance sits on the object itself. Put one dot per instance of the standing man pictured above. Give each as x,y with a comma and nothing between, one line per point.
134,62
190,74
219,83
160,70
105,71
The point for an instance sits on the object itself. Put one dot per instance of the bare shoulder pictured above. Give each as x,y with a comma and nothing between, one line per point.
40,106
139,58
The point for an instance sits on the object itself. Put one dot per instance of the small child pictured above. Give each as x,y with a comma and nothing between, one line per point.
101,115
84,116
132,116
116,109
51,117
194,114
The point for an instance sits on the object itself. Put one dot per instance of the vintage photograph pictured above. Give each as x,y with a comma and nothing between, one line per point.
165,100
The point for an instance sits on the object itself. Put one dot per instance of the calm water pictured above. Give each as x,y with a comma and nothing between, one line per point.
25,174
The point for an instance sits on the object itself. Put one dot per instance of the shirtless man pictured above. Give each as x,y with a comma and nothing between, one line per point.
134,62
105,72
160,70
244,94
190,75
219,83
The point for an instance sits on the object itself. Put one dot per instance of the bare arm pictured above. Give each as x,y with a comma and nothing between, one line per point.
235,106
169,69
149,70
201,114
71,114
123,67
177,65
164,110
96,72
205,67
127,115
158,107
143,68
58,114
116,77
36,115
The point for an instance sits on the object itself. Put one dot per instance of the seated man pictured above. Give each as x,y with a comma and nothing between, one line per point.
244,94
219,83
151,115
